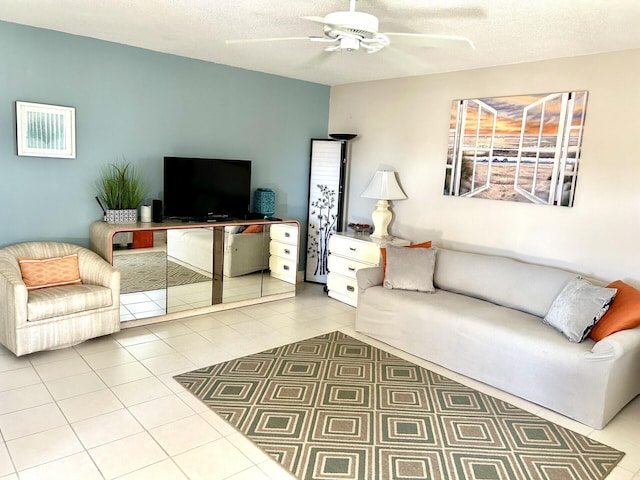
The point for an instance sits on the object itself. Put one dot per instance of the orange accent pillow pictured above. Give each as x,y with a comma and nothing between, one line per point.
253,229
50,272
624,312
383,252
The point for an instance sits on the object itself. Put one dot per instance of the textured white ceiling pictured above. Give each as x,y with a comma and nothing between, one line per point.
504,31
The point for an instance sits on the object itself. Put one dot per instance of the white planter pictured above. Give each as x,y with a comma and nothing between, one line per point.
129,215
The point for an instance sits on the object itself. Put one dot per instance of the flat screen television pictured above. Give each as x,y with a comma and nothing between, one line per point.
206,188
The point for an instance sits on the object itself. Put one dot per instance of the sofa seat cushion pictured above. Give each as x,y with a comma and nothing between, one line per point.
420,318
508,349
56,301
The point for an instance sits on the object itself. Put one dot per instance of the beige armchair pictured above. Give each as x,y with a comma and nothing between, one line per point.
61,316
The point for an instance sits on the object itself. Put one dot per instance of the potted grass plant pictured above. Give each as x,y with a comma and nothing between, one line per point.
121,190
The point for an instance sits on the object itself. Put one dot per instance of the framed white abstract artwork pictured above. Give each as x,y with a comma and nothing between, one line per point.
45,130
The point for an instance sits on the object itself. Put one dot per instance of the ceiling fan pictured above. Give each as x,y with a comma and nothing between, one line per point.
352,30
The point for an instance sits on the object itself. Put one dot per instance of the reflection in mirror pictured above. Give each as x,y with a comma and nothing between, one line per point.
245,257
283,255
189,265
140,256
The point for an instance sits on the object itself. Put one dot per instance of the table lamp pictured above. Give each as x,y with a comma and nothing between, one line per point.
383,186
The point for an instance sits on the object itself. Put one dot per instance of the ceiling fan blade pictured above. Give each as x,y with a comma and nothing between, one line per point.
275,39
314,18
428,40
408,63
319,59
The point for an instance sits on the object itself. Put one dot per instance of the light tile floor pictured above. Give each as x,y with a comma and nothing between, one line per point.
109,408
138,305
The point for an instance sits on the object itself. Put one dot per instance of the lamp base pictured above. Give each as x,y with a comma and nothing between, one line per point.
381,218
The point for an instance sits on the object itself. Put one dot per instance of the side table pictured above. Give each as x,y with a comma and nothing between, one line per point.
349,252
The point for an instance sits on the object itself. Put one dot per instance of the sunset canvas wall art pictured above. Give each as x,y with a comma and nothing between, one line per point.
522,148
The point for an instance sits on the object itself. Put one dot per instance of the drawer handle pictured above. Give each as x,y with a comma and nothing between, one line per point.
287,251
287,234
286,267
350,288
352,269
353,249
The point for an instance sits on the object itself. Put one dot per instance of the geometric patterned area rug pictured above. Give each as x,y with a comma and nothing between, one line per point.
142,272
333,407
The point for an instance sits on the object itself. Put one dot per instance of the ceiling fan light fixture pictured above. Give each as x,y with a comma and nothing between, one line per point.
347,43
350,44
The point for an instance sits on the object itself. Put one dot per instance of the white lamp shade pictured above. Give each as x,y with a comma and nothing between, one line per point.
384,186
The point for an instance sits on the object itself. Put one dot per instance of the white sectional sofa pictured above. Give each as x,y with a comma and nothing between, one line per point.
485,321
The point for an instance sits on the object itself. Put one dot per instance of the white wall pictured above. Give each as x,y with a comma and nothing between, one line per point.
403,124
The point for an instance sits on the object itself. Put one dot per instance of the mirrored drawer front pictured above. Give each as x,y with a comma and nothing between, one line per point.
285,250
284,233
361,251
342,285
346,266
283,268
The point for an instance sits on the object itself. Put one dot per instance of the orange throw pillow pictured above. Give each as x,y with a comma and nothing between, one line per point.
383,252
50,272
253,229
624,312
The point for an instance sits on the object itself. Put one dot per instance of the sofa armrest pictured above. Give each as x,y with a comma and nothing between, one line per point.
251,241
369,277
245,253
13,304
94,270
618,344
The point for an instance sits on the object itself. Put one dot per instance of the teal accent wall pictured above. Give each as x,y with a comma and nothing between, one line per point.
139,105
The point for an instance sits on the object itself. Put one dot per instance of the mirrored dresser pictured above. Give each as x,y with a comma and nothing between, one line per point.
189,268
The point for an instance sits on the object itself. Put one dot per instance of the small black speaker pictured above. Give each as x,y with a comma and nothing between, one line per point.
156,211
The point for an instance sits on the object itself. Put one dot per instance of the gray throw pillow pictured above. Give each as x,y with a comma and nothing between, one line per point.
578,307
410,268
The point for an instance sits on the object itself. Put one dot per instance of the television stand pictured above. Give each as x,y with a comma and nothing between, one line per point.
208,254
